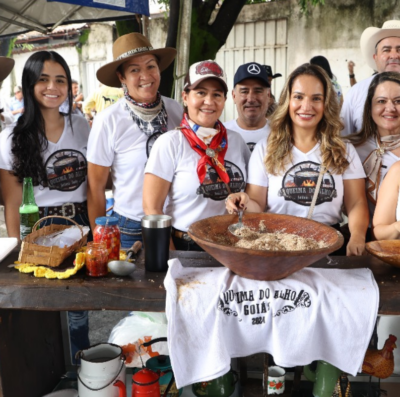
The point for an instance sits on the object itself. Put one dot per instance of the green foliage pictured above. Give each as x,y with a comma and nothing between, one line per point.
11,46
203,45
25,46
304,4
83,38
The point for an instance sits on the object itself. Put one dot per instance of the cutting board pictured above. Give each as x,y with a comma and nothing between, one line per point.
7,244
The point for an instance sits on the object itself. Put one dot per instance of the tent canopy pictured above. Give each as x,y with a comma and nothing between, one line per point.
20,16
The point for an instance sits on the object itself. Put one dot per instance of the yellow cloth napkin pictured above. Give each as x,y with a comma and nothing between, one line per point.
43,271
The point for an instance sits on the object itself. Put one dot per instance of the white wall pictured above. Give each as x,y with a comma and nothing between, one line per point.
68,53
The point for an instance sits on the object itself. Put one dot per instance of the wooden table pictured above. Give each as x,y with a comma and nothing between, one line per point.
31,354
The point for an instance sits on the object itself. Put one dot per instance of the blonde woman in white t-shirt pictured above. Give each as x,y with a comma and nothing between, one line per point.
305,136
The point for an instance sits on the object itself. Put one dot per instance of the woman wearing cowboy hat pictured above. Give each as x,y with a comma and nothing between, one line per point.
123,134
198,164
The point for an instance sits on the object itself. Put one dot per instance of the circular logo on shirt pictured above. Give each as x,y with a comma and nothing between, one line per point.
254,69
215,189
66,170
150,142
300,181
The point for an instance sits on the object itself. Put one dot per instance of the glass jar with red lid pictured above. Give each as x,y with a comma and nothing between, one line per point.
96,259
107,231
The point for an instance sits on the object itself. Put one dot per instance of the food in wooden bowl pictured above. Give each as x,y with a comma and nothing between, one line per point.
213,236
387,251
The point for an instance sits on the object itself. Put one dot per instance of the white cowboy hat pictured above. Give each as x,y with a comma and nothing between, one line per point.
372,36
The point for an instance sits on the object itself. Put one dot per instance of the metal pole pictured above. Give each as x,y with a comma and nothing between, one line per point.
145,24
182,60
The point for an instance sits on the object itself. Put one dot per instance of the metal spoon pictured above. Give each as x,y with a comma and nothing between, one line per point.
123,268
236,226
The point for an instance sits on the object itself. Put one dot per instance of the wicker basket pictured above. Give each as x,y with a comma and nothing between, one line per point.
50,256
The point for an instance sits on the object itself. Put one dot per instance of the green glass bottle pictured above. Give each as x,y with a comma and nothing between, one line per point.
28,211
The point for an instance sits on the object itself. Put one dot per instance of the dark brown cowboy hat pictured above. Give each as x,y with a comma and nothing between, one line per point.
6,65
127,47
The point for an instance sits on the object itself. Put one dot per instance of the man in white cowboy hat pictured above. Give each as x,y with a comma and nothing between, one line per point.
123,134
6,117
251,94
381,50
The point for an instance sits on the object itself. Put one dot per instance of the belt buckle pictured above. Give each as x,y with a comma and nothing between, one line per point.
186,237
64,209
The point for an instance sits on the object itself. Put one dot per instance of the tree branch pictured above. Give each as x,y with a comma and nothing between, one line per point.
167,76
172,35
226,18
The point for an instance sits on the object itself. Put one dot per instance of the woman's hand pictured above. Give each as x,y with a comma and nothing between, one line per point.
356,246
235,201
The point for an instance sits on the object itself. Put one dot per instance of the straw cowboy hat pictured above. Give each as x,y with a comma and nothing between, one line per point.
6,65
128,46
372,36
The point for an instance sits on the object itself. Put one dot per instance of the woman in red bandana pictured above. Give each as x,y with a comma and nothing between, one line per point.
198,164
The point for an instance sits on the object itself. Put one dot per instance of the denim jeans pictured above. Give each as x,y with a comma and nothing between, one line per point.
131,231
80,219
78,324
78,321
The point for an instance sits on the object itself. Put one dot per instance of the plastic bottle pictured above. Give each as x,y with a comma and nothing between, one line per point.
28,211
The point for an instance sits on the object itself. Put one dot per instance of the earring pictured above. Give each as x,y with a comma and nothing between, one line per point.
185,104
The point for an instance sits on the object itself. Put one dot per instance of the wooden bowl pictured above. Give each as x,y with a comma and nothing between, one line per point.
387,251
213,236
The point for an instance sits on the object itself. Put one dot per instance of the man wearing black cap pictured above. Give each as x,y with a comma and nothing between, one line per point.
251,95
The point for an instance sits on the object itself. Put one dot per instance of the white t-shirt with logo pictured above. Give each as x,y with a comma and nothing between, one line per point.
117,142
388,159
65,163
251,137
173,159
291,193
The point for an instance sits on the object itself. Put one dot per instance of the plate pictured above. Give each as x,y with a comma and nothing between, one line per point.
7,244
63,393
387,251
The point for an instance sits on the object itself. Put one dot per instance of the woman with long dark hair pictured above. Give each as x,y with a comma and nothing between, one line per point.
46,145
305,142
50,147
